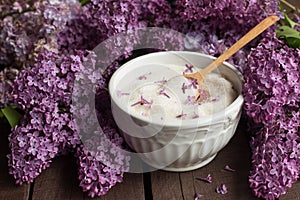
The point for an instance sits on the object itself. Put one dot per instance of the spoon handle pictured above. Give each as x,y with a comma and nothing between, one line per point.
253,33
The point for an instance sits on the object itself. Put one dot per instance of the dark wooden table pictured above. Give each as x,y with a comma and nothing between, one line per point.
60,182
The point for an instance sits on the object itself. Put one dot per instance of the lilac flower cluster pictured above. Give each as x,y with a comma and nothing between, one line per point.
96,177
272,99
27,27
7,76
246,10
100,20
48,127
212,26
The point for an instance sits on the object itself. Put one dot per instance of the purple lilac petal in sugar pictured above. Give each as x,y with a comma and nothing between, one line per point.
142,102
120,93
190,100
182,115
162,81
188,68
163,92
184,87
144,76
193,84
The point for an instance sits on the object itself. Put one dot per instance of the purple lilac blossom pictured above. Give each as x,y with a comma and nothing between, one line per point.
213,26
7,75
188,68
48,128
164,93
142,102
222,189
26,28
197,196
184,87
228,168
100,20
181,116
30,25
190,100
207,179
272,99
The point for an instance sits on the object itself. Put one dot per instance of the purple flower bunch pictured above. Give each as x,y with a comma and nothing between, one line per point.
100,20
246,11
26,28
7,75
45,92
48,127
272,100
29,25
213,26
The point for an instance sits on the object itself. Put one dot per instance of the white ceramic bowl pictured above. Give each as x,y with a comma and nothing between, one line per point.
181,145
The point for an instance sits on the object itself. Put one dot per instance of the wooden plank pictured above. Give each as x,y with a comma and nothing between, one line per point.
187,184
237,155
8,189
60,182
166,185
184,185
131,188
295,3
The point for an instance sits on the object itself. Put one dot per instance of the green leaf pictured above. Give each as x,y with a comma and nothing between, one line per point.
289,34
83,2
290,22
1,114
293,42
285,31
12,116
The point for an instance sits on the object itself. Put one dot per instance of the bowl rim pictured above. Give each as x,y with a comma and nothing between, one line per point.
200,121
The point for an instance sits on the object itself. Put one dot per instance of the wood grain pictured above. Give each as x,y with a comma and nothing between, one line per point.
187,184
131,188
237,155
166,185
60,182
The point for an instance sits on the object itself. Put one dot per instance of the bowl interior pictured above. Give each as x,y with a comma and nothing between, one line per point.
127,73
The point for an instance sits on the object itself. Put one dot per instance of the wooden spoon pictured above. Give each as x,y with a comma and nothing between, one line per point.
253,33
